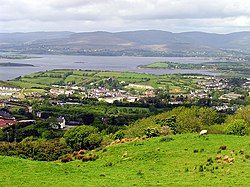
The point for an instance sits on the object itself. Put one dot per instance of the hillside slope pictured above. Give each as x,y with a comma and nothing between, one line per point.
184,160
143,42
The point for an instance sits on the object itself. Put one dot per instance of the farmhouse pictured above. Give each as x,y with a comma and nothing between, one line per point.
6,122
61,121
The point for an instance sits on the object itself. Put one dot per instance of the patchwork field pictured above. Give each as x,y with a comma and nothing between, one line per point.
173,83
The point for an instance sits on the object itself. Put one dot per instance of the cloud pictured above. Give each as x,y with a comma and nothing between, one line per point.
115,15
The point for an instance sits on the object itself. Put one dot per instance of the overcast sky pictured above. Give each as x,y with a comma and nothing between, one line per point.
220,16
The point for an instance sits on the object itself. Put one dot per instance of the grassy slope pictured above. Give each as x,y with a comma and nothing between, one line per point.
148,163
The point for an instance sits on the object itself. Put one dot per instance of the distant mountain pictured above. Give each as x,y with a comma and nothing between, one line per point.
28,38
140,43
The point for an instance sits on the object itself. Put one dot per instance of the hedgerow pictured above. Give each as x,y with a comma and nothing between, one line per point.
42,150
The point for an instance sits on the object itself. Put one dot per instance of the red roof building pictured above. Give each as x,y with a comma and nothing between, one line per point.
6,122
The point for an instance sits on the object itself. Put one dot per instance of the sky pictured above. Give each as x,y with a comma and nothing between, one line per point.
214,16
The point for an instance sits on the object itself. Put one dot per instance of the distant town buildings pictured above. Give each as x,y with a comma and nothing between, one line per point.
6,119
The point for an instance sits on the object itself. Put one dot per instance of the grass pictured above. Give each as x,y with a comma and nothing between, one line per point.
25,84
160,65
176,83
42,80
35,90
150,162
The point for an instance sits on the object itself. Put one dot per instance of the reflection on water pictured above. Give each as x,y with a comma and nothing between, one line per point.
121,63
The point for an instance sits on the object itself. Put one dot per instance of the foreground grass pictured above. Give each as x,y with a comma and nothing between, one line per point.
151,162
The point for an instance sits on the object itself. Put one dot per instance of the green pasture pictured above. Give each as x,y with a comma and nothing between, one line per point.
180,160
175,83
26,84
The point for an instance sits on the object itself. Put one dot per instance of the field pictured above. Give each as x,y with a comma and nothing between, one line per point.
173,83
240,68
180,160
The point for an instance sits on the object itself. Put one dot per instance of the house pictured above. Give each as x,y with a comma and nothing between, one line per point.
6,122
43,115
6,115
149,93
61,121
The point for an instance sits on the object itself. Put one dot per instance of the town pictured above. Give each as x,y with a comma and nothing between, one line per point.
224,94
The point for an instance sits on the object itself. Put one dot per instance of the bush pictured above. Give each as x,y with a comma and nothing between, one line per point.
237,127
119,135
180,120
37,150
52,134
67,158
93,140
90,157
152,132
107,140
165,130
2,135
83,137
215,129
137,129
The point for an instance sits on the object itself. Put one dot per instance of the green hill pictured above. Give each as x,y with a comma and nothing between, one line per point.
180,160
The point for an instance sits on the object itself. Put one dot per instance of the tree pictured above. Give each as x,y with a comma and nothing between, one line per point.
168,122
188,120
2,135
87,119
83,137
243,114
237,127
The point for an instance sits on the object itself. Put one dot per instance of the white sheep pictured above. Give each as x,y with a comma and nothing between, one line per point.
203,132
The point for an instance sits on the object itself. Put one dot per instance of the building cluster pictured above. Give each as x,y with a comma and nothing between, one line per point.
214,84
7,91
211,84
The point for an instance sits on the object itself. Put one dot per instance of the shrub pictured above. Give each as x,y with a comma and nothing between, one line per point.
90,157
137,129
79,157
152,132
83,137
82,152
2,135
237,127
67,158
119,135
75,153
180,120
107,140
51,134
215,129
93,140
37,150
165,130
